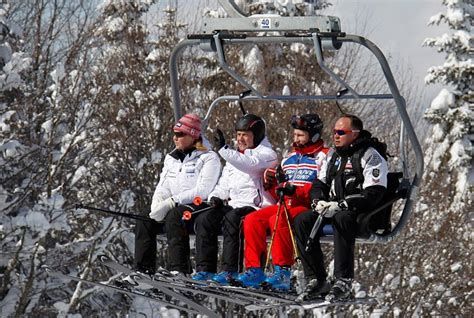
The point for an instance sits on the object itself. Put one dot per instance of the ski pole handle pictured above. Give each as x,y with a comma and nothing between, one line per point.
187,215
197,201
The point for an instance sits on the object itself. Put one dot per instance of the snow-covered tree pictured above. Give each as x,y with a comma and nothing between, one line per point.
44,151
426,272
283,7
451,112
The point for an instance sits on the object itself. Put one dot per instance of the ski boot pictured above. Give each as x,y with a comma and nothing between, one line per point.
340,291
280,279
203,276
252,277
314,289
223,278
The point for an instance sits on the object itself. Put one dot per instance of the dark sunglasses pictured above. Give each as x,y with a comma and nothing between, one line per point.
342,132
298,122
178,134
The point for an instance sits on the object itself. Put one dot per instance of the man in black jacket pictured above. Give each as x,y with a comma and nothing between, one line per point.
340,195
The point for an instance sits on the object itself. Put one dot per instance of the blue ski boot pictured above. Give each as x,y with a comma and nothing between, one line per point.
252,277
203,276
279,280
224,277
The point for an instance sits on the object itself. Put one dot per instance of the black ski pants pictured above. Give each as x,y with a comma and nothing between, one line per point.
345,232
206,225
233,246
313,260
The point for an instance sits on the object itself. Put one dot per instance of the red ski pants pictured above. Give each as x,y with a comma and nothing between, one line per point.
256,225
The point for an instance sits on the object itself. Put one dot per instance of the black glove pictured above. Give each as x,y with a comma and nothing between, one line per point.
219,139
216,202
280,174
288,190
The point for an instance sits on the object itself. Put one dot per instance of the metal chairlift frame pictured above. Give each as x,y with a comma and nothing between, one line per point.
323,32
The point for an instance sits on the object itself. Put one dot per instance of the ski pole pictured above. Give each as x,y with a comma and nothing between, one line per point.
127,215
274,231
187,215
293,241
314,231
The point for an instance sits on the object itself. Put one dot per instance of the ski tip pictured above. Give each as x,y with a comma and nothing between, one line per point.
103,258
253,307
46,268
313,304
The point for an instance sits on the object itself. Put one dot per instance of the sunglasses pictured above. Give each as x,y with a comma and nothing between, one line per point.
178,134
342,132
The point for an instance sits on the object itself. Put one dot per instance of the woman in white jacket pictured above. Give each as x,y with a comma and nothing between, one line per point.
189,171
241,184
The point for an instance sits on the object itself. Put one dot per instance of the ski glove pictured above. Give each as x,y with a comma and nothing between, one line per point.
160,210
330,209
269,180
272,177
216,202
219,139
280,174
288,190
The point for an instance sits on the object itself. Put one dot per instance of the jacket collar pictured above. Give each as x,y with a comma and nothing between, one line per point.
181,155
309,149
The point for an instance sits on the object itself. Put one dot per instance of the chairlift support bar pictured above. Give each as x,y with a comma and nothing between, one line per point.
321,39
272,23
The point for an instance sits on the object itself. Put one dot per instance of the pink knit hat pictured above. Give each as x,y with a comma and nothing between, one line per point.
189,124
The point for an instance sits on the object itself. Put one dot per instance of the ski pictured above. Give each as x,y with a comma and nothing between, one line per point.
286,297
251,299
142,294
104,259
161,281
227,293
158,283
316,303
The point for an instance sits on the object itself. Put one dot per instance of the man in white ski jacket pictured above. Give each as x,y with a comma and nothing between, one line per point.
189,171
241,184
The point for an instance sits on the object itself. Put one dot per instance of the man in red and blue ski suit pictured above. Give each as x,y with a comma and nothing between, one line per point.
301,168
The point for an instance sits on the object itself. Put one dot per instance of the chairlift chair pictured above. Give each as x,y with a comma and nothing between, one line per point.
323,33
